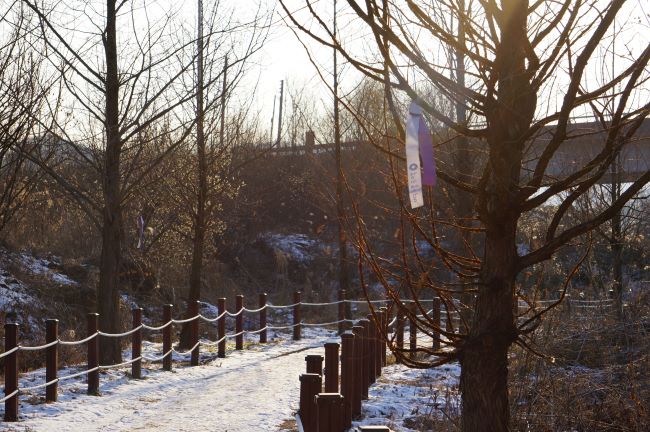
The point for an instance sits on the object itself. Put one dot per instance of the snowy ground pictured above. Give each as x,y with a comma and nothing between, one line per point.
252,390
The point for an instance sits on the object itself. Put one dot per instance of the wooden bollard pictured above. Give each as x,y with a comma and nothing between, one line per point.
296,315
314,364
348,376
194,332
136,344
413,332
371,350
167,337
331,367
221,327
51,360
329,412
341,308
365,341
384,325
378,344
11,372
399,329
93,354
262,308
436,322
239,322
358,369
310,385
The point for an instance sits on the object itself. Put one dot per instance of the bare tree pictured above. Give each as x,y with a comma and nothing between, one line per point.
527,73
117,94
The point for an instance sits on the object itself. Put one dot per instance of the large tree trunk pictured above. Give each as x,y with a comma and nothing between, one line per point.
108,304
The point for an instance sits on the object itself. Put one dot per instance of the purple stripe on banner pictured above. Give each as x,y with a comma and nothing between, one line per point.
426,154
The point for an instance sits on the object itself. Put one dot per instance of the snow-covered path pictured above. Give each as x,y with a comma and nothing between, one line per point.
252,390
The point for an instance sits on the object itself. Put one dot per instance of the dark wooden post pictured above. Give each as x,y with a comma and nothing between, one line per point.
329,412
194,332
399,328
221,328
413,332
51,359
296,315
331,367
262,317
436,322
378,343
347,375
11,372
93,354
136,344
314,363
239,322
365,341
310,385
384,325
358,369
167,337
342,323
372,356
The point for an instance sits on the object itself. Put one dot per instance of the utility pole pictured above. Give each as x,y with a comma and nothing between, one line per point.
272,122
277,143
344,276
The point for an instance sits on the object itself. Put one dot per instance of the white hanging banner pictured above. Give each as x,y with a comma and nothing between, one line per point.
413,156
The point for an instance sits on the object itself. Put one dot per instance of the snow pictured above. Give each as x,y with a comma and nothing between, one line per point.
42,267
296,246
256,389
13,294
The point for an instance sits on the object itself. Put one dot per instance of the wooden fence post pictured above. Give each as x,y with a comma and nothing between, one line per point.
11,372
413,332
399,328
376,350
310,385
329,412
262,317
221,327
314,364
296,315
239,322
365,341
347,375
51,359
194,332
436,322
136,344
384,335
371,350
331,367
341,306
167,337
93,354
358,369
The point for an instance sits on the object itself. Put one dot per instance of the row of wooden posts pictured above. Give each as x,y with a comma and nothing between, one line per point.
52,347
331,408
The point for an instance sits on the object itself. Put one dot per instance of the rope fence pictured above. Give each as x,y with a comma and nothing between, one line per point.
439,312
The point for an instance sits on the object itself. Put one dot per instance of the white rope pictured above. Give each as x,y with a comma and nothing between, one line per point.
78,374
155,359
79,342
256,310
6,398
118,365
256,331
235,314
167,324
282,327
235,335
321,324
183,321
22,390
282,307
37,348
212,319
11,351
215,343
117,335
186,353
390,324
323,304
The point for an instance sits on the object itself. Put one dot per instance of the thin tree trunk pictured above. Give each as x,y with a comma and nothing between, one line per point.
108,304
